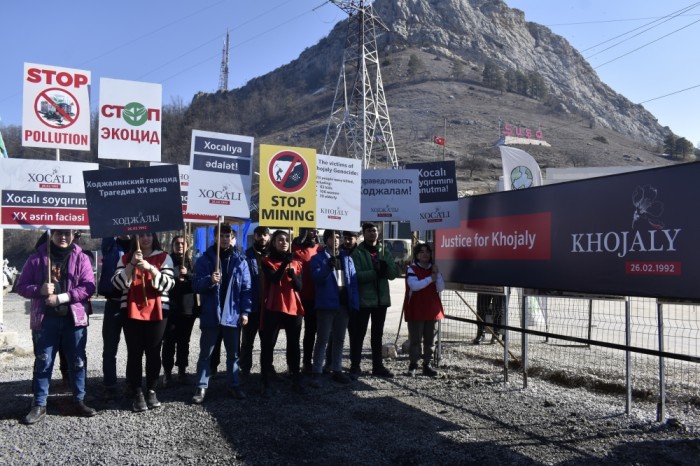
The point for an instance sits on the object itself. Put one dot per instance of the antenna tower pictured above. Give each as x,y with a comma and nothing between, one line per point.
223,74
359,124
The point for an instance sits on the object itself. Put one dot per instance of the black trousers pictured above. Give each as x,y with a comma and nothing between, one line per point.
176,341
143,337
310,328
357,329
489,308
272,323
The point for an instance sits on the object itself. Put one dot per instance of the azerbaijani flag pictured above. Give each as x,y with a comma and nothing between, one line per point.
3,150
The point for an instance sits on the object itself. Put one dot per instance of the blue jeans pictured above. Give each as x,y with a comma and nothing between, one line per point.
111,333
58,332
331,324
207,341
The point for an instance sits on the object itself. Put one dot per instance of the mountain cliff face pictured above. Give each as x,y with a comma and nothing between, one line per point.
432,60
479,30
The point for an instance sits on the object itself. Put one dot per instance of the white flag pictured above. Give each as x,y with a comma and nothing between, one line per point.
520,170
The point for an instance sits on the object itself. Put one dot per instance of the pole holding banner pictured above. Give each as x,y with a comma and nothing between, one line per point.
218,243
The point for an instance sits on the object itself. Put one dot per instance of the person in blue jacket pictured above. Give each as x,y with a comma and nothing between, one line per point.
335,279
225,304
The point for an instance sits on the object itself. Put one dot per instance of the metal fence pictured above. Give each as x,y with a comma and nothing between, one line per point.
611,345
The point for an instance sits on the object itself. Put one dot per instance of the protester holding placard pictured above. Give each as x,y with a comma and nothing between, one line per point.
58,316
375,267
145,277
113,249
225,305
254,256
422,307
305,246
182,314
335,280
282,310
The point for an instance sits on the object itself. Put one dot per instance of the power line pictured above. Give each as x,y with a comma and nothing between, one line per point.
647,44
670,94
602,21
667,18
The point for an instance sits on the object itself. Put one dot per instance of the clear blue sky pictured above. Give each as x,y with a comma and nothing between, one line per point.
178,44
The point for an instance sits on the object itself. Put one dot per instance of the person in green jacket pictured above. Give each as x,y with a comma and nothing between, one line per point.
375,267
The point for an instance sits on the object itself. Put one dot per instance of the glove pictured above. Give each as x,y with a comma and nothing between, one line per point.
332,262
290,272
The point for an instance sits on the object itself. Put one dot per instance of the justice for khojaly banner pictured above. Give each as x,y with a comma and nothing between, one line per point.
338,183
43,194
184,174
390,195
130,120
133,200
633,234
438,195
56,107
220,174
287,186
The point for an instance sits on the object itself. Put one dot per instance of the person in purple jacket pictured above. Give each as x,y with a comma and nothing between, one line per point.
58,316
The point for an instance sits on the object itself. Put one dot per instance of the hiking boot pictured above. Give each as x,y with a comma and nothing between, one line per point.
35,415
151,400
341,378
237,393
83,410
412,368
429,371
139,405
199,395
382,371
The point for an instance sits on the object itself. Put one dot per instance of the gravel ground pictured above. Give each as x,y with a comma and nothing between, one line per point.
467,415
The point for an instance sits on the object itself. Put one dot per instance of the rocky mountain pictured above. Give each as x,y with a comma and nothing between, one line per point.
432,61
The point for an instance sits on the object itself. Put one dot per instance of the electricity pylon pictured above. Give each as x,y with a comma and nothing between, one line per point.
359,124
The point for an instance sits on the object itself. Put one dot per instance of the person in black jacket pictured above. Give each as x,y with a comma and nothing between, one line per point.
182,314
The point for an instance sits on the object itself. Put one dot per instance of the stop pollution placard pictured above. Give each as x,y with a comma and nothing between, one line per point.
56,107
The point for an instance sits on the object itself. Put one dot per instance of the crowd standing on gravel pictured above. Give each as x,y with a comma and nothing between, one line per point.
155,297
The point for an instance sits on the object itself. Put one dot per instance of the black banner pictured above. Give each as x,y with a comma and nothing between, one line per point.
632,234
133,200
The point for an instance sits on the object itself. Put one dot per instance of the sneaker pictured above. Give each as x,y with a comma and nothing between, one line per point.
151,400
340,377
479,338
139,405
199,395
429,371
382,371
355,372
494,339
315,380
236,393
83,410
412,367
36,414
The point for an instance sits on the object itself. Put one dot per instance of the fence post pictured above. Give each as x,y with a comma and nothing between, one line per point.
525,339
628,355
590,321
661,406
506,337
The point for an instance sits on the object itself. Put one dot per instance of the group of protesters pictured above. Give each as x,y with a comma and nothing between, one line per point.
328,286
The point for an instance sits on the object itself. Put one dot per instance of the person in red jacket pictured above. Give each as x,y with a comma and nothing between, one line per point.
305,246
282,308
422,307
